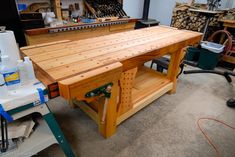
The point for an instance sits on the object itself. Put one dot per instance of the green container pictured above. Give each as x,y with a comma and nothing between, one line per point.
192,54
208,60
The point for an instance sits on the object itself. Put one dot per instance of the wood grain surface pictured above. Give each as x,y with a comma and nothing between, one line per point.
63,60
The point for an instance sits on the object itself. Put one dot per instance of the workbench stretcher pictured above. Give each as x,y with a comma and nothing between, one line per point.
83,70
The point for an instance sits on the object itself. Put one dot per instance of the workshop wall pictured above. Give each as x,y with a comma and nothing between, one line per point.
133,8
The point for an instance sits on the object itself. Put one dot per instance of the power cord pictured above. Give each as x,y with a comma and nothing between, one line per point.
218,154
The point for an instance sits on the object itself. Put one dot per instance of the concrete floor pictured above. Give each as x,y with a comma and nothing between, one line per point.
165,128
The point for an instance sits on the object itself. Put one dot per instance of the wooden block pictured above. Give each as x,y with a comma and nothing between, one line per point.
126,85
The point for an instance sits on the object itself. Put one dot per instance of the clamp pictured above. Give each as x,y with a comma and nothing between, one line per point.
103,90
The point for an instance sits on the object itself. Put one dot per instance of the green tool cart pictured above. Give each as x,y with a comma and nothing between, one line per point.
48,131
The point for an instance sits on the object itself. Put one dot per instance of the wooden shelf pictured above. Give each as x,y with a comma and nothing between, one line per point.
148,86
146,82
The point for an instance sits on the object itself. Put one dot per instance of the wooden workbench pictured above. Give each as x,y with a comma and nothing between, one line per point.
77,31
78,67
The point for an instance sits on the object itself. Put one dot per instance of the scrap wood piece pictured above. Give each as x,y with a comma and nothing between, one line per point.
34,7
92,10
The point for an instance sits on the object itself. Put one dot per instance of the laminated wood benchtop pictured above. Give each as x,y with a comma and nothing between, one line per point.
63,60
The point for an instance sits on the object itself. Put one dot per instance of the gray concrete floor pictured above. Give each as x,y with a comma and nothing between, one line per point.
165,128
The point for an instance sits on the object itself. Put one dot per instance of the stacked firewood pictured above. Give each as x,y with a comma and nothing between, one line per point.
184,18
230,15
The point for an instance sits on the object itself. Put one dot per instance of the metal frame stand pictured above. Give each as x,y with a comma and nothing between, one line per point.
47,115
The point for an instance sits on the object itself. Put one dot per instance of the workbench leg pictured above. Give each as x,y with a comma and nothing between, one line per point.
108,128
53,125
71,104
173,68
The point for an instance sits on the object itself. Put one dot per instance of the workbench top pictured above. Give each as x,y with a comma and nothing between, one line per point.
65,59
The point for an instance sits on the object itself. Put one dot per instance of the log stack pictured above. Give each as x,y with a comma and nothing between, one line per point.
230,14
183,18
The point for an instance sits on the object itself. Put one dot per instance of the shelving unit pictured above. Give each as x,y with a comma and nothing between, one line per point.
40,139
25,101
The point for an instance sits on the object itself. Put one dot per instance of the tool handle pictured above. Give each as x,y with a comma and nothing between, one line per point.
104,110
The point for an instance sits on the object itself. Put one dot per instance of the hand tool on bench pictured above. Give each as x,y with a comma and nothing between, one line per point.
4,132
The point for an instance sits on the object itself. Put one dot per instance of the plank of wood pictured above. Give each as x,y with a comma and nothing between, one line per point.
89,111
42,45
229,59
113,28
57,8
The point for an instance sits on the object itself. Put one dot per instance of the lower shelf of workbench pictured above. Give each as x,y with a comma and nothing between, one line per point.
146,82
148,86
40,139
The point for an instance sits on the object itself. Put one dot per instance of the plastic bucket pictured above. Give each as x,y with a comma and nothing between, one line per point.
192,54
208,60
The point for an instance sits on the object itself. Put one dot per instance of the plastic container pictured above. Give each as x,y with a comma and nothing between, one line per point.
192,54
209,55
3,88
22,7
8,46
23,72
213,47
208,60
9,72
30,71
